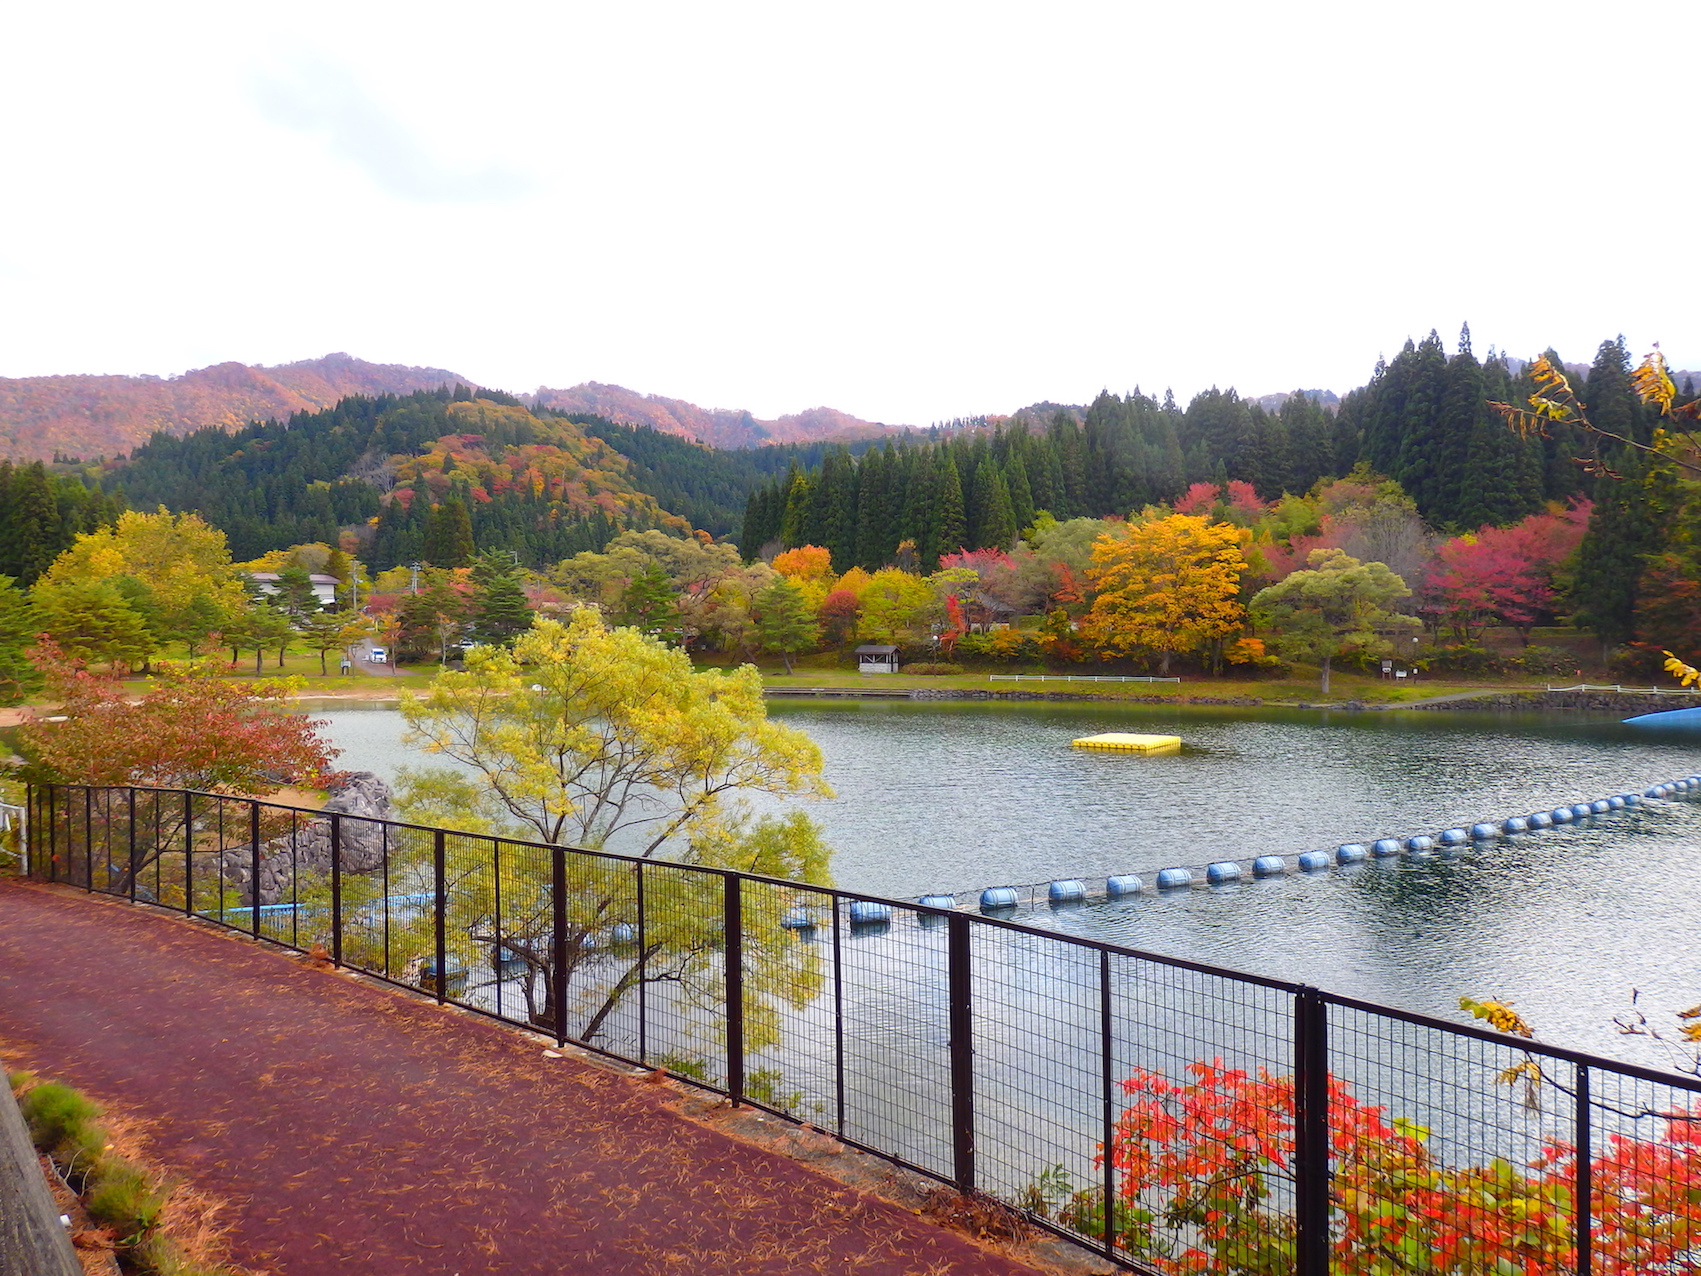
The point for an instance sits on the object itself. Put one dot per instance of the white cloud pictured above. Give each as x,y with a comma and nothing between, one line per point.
318,97
907,211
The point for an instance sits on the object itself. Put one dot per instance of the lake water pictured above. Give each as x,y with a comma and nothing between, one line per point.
954,796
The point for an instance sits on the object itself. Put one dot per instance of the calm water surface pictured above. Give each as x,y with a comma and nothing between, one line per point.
947,796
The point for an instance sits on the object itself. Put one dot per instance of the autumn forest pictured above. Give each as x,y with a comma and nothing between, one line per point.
1450,498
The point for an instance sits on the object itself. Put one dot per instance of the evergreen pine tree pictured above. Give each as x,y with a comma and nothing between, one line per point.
1622,532
998,522
921,508
839,530
794,522
1422,455
448,540
1021,491
500,611
874,517
951,530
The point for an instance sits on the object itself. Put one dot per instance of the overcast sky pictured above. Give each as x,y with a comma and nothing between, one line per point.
906,211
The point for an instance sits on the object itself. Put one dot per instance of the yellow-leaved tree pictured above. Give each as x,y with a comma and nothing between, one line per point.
583,736
1169,585
177,557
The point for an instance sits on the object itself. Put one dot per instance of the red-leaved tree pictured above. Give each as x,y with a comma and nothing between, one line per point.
1502,575
192,728
1205,1171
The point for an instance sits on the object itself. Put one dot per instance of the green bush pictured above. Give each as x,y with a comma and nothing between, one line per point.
125,1197
936,668
61,1123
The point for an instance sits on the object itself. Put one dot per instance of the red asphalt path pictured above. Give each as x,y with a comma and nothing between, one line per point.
358,1129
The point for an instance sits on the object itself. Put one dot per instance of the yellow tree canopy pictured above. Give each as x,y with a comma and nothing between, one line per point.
1170,585
177,556
894,602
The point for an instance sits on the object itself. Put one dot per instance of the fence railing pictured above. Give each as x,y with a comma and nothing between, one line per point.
1074,677
1627,691
1172,1115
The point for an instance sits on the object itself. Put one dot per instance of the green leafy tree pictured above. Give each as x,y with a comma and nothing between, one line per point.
259,627
194,623
784,624
650,605
432,619
92,621
295,596
19,626
608,739
1338,607
327,631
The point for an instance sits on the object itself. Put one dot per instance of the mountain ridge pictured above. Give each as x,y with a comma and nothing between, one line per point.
92,414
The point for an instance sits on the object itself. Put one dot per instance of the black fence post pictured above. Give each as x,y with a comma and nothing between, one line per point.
1107,1062
643,969
88,840
440,907
130,870
958,994
1585,1186
188,853
1311,1133
733,920
558,942
254,866
336,889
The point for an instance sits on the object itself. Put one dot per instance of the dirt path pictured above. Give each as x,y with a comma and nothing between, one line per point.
361,1130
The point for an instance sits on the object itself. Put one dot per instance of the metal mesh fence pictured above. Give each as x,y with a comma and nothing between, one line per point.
1175,1117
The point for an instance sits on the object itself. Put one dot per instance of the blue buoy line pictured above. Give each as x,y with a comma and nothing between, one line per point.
1227,872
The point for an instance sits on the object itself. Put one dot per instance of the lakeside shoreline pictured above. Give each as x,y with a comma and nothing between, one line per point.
1495,699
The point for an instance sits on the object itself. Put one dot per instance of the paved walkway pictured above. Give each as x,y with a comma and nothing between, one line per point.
356,1129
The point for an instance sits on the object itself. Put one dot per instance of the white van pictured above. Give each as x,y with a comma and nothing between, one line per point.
378,656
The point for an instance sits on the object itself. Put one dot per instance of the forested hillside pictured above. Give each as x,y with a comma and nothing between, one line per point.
92,416
1424,419
542,488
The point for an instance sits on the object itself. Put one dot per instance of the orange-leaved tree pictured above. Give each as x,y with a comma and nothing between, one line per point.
1170,585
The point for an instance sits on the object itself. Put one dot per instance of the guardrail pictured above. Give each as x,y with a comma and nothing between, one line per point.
1629,691
1158,1110
1074,677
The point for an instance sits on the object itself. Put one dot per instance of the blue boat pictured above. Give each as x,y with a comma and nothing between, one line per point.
1688,718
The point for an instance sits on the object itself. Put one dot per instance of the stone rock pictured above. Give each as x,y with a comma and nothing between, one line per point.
362,799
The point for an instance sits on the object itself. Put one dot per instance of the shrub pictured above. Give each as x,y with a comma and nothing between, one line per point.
933,669
125,1198
61,1124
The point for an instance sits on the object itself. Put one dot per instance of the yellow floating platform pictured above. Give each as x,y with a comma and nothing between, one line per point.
1127,742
